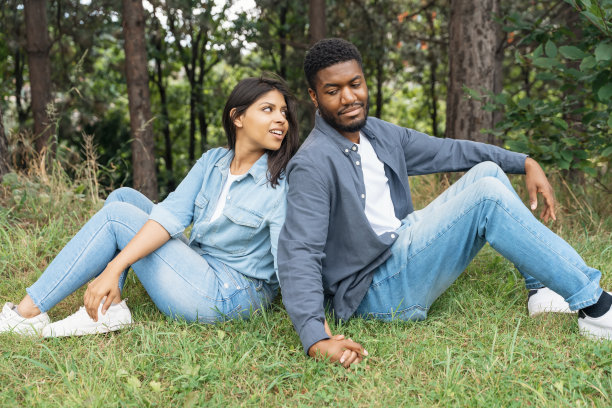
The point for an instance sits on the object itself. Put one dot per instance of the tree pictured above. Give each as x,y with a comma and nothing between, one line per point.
474,43
316,18
4,153
143,143
38,46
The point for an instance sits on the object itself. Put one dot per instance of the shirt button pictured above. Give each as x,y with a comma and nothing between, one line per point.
345,150
357,162
393,236
354,148
363,196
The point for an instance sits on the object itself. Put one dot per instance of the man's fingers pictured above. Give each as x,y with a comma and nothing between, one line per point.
351,358
533,198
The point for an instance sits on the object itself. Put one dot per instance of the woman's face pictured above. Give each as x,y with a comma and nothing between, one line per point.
263,125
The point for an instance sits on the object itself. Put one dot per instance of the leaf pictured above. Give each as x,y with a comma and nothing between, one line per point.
545,62
571,52
560,123
134,382
605,92
588,63
567,155
155,386
607,151
538,51
551,49
603,52
610,120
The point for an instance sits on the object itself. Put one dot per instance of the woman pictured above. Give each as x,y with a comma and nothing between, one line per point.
235,200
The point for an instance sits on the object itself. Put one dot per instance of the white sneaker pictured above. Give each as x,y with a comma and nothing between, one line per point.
596,327
79,324
545,300
13,322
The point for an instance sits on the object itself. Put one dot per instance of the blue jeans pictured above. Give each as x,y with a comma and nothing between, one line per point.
182,283
437,243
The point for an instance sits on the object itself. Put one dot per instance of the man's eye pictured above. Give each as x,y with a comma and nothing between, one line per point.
356,84
332,92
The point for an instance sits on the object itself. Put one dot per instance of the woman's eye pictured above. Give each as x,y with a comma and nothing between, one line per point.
284,112
267,109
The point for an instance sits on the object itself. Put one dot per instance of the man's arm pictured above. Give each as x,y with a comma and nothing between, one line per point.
300,256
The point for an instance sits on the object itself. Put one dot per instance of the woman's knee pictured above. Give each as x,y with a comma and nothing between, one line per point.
122,194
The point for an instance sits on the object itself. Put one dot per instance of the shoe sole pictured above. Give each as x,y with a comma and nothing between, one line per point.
540,308
594,332
84,332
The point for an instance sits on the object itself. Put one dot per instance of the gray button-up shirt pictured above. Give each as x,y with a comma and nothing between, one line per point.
327,249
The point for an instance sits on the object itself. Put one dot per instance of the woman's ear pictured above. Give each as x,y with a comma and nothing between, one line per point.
237,119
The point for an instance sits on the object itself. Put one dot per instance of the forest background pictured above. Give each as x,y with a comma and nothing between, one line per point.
86,86
533,76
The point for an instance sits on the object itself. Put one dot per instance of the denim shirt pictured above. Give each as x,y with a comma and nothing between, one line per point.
245,237
327,249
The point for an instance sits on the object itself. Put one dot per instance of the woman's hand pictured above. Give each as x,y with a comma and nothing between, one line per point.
104,285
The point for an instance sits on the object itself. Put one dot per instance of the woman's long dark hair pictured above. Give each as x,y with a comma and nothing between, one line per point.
244,94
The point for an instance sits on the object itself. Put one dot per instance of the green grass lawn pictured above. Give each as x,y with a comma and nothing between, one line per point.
477,348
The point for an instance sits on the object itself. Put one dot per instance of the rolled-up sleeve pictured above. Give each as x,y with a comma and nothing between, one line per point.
300,252
175,213
427,154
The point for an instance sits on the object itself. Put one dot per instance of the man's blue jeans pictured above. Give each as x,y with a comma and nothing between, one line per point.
437,243
181,282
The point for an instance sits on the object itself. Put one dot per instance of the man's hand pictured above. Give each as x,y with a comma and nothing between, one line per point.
338,348
345,351
538,183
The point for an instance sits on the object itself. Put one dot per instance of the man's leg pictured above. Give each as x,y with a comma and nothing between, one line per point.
437,243
484,169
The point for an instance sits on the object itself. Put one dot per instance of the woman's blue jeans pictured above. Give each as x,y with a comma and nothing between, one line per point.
182,283
437,243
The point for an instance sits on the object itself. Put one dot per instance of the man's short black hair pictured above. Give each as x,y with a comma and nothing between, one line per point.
328,52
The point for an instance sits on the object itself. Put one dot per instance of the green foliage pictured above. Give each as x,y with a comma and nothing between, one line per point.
563,118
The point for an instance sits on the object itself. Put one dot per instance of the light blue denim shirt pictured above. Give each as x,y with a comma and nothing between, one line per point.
245,237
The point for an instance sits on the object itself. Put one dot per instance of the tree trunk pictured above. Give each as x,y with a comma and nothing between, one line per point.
143,143
4,153
316,18
472,60
38,45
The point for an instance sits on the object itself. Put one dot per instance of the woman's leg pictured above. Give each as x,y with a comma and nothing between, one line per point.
180,281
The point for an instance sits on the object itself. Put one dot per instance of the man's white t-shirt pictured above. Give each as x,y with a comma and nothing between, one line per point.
223,196
378,206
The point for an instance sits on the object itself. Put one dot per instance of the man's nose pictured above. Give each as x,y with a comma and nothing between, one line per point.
347,96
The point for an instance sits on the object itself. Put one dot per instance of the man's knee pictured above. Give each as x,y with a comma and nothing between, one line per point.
488,169
493,188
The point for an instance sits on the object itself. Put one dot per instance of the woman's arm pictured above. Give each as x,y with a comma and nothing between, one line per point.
150,237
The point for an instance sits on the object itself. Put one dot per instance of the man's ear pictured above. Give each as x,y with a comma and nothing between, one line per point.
313,97
237,119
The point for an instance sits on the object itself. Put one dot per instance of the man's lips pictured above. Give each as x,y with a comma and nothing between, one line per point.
350,109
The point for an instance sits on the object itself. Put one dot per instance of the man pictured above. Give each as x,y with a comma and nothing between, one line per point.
352,241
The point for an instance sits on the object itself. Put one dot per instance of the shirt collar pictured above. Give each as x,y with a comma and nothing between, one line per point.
259,169
342,142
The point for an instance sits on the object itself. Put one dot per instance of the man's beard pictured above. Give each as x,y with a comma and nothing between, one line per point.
353,127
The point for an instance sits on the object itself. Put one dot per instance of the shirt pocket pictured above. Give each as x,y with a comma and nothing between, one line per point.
242,225
199,208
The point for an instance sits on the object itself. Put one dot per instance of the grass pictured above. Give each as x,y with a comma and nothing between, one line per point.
477,348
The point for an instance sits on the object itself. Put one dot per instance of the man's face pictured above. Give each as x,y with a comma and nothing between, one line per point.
341,95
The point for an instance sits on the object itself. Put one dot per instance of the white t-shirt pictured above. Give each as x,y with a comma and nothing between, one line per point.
223,196
379,208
